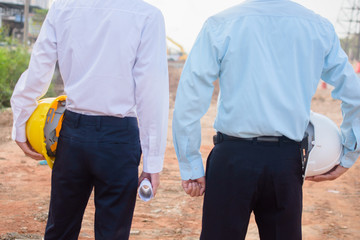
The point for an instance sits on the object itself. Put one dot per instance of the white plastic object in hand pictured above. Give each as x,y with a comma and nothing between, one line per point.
145,190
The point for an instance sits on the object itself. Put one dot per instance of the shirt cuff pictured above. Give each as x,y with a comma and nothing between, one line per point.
193,170
349,159
153,164
19,134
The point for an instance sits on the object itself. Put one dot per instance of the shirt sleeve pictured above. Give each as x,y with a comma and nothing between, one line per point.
35,81
152,92
193,99
338,72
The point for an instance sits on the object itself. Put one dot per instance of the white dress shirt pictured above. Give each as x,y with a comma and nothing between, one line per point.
112,58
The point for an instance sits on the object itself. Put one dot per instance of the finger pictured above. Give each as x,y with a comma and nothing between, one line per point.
202,183
155,185
325,177
186,186
329,176
141,178
202,190
198,187
154,190
192,186
314,179
195,188
28,150
187,189
144,175
154,179
35,156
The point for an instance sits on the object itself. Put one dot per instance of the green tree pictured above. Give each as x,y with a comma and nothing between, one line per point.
13,62
40,15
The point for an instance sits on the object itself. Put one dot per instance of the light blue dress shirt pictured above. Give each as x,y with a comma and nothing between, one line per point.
269,57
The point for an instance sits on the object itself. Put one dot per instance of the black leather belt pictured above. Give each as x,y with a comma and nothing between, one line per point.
220,137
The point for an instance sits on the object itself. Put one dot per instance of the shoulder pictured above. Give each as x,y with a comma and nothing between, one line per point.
148,10
228,14
326,24
305,13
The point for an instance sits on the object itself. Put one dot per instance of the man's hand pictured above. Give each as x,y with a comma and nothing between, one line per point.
154,178
194,188
29,151
333,174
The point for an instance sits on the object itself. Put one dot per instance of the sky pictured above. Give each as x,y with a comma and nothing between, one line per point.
184,18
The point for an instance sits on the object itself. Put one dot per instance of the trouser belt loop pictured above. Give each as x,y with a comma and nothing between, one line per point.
218,138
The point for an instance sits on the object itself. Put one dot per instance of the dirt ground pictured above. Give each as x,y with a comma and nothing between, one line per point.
331,209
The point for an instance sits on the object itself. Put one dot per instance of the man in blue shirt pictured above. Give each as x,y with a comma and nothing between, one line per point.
269,57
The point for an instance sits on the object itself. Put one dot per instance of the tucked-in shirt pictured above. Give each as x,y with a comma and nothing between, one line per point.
112,58
269,56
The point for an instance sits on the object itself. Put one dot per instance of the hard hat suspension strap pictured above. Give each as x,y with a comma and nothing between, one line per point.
52,121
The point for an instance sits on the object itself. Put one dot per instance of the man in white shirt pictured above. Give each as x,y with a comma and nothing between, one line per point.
112,58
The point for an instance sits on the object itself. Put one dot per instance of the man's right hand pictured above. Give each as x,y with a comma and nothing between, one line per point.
29,151
194,188
154,178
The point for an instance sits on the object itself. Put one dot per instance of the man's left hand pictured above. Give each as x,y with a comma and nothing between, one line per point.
333,174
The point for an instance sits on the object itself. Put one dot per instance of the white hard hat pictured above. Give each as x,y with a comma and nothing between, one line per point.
325,147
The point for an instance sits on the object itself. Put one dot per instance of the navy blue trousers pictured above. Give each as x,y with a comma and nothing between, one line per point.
261,177
100,153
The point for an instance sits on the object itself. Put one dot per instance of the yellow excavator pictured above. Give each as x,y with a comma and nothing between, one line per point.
180,55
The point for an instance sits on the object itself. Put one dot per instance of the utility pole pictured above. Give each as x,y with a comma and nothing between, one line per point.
26,21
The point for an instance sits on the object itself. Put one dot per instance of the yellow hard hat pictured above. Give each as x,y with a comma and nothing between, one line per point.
43,127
